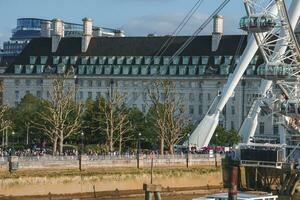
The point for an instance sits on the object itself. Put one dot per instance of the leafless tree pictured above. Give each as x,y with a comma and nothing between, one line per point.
5,124
168,113
115,122
61,116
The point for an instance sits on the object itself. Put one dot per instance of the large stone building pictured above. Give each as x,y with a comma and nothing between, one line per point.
130,64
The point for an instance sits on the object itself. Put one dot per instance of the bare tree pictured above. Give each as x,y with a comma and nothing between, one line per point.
167,113
61,116
5,123
115,123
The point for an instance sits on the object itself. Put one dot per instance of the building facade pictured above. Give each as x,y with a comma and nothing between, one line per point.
131,64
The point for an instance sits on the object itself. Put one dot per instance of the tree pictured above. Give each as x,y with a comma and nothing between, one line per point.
223,137
61,116
5,122
113,119
167,114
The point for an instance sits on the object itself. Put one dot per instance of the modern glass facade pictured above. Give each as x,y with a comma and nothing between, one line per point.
29,28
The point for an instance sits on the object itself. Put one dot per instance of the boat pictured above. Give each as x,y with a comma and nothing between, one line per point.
240,196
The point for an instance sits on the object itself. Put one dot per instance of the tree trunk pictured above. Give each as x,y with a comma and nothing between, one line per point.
3,133
111,144
120,144
54,146
162,146
61,145
6,137
171,149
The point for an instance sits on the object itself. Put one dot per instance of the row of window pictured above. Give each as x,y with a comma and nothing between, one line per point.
131,60
172,70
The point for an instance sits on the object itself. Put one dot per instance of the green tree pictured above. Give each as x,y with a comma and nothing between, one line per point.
223,137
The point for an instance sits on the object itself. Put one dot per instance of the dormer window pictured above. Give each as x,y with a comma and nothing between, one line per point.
65,59
29,69
202,69
217,60
120,60
204,60
176,60
32,60
163,70
18,69
147,60
55,60
110,60
84,60
98,69
185,60
135,70
156,60
173,70
228,60
138,60
40,69
166,60
195,60
102,60
126,70
81,69
129,60
73,60
117,69
107,70
90,69
182,70
61,68
237,59
93,60
153,70
192,70
144,70
44,59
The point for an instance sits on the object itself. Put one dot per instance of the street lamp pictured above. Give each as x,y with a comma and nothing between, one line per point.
188,151
81,151
13,143
138,150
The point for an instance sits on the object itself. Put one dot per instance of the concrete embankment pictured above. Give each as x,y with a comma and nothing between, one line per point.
41,182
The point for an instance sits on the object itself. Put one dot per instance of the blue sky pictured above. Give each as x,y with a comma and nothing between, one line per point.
136,17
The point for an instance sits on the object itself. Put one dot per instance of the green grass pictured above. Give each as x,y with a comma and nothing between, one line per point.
101,173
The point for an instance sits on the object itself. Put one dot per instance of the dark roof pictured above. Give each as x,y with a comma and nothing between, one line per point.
129,46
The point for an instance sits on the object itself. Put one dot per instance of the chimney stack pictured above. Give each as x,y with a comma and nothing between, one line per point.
45,29
98,32
87,33
58,33
119,33
217,32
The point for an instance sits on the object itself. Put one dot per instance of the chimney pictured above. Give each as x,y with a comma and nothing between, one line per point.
217,32
98,32
119,33
58,33
45,29
87,33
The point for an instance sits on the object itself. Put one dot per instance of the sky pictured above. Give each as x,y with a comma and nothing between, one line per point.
135,17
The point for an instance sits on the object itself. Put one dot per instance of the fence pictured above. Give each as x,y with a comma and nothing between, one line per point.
112,161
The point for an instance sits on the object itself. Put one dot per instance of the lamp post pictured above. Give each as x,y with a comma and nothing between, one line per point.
81,151
13,143
138,150
188,151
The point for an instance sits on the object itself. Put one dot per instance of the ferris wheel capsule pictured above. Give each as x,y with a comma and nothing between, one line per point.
257,24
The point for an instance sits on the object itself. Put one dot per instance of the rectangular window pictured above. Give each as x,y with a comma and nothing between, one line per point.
98,83
17,82
275,129
90,95
208,97
232,125
200,97
39,93
191,109
200,110
28,82
81,95
232,110
191,97
98,94
90,83
17,94
39,82
261,128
